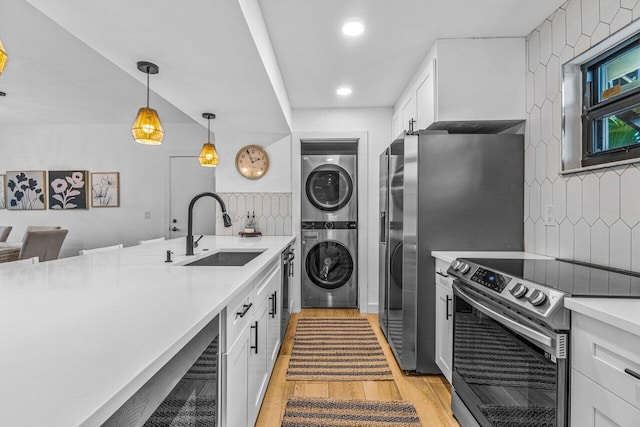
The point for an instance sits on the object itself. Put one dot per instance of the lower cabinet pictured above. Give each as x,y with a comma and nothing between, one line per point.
595,406
250,359
258,375
444,320
605,374
235,363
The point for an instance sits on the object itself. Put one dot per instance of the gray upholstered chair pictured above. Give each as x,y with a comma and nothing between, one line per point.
39,228
44,244
4,232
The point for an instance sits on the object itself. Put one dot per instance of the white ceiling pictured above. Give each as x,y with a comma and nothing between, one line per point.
315,57
75,61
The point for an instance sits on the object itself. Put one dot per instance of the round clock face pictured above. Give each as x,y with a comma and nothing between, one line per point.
252,161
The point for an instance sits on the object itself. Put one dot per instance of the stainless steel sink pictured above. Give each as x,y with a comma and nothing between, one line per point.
226,259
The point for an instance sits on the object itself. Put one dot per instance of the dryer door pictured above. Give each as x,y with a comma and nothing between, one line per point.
329,187
329,264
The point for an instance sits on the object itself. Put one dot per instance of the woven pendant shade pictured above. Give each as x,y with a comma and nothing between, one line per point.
3,57
208,156
146,128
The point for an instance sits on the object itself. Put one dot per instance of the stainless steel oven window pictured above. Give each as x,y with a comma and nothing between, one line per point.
503,376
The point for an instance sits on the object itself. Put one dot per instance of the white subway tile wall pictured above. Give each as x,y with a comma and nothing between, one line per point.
272,213
597,213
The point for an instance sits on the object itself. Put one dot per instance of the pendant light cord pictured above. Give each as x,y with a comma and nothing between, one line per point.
209,130
148,70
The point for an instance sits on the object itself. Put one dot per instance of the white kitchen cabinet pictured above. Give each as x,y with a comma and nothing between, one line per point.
254,344
444,319
409,111
236,396
425,98
460,80
595,406
605,364
258,374
396,126
273,325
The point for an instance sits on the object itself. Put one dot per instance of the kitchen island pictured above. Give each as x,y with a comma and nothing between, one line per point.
81,335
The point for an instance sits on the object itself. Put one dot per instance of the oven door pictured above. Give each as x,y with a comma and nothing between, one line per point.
506,370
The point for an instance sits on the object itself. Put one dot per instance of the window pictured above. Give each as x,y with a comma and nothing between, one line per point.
611,105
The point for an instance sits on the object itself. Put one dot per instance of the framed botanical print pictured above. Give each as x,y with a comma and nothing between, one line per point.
26,190
105,189
68,190
3,204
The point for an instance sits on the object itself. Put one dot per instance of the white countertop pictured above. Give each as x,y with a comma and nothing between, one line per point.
621,313
81,335
449,256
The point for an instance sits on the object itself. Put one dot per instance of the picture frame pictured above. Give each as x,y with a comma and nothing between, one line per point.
105,189
26,190
3,198
68,189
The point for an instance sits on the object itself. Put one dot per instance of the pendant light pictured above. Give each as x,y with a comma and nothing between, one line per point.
147,128
3,57
208,154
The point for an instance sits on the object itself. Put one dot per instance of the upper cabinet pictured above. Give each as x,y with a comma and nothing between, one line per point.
465,80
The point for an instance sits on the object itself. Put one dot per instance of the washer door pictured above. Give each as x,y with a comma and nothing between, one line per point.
329,187
329,264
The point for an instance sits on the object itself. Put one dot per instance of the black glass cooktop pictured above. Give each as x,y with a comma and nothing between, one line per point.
574,278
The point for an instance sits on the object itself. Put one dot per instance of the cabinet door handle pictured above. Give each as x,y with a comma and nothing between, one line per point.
291,269
245,308
255,326
272,311
632,373
275,303
447,315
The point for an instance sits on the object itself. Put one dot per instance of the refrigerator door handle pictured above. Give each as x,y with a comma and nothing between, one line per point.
383,227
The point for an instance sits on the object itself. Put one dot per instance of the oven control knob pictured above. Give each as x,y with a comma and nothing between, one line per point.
518,290
537,298
455,264
464,268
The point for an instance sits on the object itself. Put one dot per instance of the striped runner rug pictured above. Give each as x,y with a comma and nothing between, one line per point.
313,411
336,349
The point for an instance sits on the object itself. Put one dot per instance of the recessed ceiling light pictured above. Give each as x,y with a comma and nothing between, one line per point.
344,91
353,27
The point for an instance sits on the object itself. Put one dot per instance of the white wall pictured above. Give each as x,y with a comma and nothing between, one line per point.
373,127
97,148
597,213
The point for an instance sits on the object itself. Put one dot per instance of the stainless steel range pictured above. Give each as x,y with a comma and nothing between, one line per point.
511,336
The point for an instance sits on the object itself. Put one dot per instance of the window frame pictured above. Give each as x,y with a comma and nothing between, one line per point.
592,109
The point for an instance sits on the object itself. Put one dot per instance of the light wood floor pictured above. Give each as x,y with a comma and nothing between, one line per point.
431,395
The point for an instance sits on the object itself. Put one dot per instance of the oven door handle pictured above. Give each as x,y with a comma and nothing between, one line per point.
501,318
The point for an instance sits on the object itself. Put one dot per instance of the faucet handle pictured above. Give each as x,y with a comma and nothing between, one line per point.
195,244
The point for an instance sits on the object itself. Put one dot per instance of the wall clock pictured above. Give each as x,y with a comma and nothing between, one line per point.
252,161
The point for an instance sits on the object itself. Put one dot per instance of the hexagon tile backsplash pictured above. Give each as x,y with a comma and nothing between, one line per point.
597,213
272,210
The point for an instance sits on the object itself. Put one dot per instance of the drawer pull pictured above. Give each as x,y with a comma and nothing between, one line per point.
447,314
255,347
245,308
632,373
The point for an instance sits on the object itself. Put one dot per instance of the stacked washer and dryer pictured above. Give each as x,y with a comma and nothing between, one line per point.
329,227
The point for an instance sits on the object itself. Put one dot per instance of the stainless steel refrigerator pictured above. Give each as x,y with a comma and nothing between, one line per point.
440,191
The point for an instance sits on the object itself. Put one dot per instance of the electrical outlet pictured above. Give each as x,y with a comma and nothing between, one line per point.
549,217
147,214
